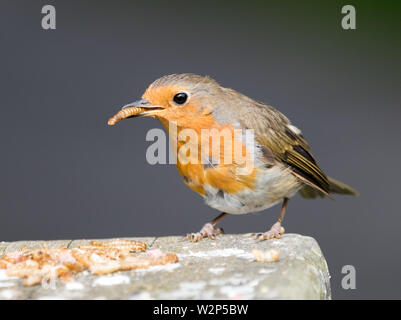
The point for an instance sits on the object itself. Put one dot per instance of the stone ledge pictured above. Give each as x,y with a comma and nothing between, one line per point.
210,269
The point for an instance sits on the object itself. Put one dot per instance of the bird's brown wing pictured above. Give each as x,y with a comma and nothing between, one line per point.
292,149
273,131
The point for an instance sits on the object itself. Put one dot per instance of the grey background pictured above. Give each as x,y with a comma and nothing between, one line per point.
65,174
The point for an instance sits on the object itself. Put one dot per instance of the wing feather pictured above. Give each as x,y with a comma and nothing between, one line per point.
275,132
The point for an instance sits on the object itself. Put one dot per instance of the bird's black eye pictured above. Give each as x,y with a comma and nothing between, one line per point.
180,98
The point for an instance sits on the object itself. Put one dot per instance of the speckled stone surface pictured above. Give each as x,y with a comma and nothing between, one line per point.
210,269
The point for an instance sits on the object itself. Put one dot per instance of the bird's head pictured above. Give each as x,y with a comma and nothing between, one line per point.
186,99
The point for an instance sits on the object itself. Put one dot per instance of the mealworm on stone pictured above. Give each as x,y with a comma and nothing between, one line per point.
266,256
100,257
120,244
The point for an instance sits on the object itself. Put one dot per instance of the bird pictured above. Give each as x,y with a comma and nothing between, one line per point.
281,164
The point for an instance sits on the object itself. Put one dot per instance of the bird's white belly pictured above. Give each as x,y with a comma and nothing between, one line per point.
272,185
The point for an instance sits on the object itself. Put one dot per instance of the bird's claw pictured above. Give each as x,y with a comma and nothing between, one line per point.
276,231
207,231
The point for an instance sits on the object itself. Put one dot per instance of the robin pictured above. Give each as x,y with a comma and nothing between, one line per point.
282,162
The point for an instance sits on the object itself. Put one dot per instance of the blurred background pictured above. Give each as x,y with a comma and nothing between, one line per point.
65,174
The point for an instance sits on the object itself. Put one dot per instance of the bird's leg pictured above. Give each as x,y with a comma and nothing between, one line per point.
208,230
276,231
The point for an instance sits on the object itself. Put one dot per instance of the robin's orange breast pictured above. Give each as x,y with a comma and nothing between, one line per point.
225,186
212,159
223,178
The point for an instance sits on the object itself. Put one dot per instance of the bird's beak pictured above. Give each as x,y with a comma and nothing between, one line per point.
135,109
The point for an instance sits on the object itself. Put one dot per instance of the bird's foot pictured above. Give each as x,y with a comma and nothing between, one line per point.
208,230
276,231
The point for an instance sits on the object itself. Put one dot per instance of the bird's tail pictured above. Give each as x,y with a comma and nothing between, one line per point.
335,186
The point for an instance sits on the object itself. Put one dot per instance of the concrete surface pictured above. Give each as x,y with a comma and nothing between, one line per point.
210,269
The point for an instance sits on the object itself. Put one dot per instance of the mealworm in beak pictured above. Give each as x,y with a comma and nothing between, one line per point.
124,113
